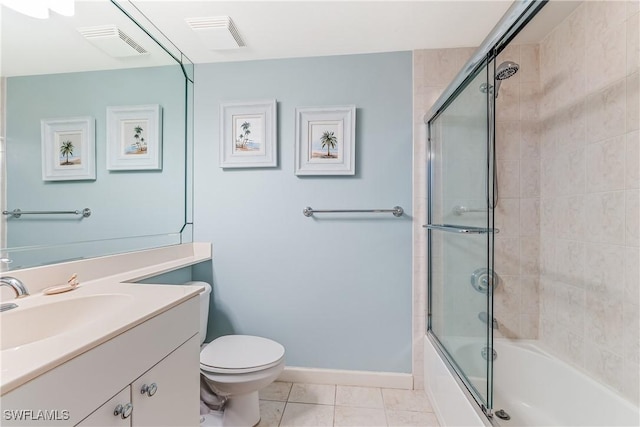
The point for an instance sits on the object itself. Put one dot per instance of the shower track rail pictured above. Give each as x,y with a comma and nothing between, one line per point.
460,229
17,213
397,211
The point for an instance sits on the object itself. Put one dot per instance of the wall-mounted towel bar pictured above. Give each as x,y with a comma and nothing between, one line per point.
459,210
460,229
17,213
396,211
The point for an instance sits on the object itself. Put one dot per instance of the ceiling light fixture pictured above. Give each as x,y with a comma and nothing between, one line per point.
40,8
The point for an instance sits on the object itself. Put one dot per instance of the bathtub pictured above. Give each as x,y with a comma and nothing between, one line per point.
532,386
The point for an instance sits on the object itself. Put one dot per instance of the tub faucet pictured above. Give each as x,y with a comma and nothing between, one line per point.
15,284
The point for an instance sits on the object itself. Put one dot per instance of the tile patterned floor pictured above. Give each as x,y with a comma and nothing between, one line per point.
292,405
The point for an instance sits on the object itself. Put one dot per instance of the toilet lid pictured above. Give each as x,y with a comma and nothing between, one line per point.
241,353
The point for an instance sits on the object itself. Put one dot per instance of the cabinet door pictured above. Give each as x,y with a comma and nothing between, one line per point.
169,393
107,414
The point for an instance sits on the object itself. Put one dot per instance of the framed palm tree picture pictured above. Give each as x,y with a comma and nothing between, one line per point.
68,148
134,137
325,140
248,134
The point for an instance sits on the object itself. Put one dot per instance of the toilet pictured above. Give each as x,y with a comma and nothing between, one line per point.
235,368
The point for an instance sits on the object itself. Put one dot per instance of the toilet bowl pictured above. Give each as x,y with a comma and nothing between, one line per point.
235,368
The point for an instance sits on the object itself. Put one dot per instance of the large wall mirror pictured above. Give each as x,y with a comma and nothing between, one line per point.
95,115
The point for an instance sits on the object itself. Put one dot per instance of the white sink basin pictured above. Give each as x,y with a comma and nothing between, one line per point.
22,326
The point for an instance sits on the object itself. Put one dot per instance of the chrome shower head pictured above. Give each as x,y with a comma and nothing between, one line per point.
504,71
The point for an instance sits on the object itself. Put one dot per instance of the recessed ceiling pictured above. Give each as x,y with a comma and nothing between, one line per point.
270,29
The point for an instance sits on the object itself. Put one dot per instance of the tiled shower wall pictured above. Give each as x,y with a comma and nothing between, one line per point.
589,215
569,178
516,297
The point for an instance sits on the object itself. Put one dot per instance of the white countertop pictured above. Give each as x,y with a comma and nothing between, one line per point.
136,304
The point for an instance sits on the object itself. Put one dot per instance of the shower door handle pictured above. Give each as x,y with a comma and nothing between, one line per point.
460,229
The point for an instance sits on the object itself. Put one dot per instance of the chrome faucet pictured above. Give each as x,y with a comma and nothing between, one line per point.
15,284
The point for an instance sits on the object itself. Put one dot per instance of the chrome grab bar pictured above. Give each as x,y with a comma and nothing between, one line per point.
17,213
396,211
460,229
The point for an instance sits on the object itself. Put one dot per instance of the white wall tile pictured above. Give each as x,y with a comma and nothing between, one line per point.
605,365
633,43
507,217
508,140
606,40
570,172
606,165
529,64
632,274
530,177
529,140
606,217
632,220
529,255
530,217
571,261
633,102
606,112
604,269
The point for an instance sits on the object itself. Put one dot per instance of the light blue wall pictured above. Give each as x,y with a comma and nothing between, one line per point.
335,290
158,196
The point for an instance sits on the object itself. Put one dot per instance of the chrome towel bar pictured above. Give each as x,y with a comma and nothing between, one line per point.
17,213
396,211
460,229
460,210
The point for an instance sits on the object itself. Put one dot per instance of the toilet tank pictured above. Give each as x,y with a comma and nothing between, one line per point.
204,308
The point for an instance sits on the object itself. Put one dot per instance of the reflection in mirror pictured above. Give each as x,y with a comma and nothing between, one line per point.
67,81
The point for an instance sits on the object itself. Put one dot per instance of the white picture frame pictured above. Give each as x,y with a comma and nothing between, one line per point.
68,149
134,137
248,134
325,128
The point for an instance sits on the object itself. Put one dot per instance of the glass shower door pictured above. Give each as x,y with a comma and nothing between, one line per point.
460,236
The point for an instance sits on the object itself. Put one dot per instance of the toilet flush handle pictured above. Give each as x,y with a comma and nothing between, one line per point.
149,390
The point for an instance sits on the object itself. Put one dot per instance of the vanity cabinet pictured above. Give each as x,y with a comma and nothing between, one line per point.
163,350
162,396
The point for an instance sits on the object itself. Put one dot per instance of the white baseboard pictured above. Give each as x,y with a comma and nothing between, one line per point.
343,377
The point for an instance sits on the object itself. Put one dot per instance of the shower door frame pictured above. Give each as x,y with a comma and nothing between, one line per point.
514,20
471,389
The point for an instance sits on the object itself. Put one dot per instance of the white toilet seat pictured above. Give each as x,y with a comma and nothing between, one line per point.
240,354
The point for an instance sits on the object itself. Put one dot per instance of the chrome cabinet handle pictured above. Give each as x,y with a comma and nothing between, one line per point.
123,410
150,389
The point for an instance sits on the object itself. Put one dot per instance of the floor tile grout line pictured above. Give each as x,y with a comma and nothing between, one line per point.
335,399
384,408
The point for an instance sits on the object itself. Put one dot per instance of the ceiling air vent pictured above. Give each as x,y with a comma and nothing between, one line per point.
217,32
112,40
